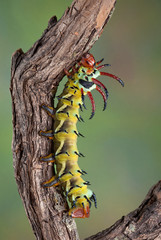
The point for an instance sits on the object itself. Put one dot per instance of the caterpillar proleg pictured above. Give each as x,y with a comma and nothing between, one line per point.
82,79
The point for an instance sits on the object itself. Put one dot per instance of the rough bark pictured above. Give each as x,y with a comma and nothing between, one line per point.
35,76
142,223
34,79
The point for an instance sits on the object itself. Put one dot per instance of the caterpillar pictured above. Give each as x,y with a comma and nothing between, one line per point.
81,81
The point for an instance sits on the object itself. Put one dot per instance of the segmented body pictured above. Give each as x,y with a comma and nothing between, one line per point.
81,81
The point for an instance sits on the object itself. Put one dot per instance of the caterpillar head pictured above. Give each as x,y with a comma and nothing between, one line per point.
87,74
88,60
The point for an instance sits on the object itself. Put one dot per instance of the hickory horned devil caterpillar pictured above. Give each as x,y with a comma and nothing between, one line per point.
81,81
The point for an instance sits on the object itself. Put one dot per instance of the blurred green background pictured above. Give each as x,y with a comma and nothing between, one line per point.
123,144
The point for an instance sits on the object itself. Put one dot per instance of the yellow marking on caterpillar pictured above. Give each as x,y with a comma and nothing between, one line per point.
81,81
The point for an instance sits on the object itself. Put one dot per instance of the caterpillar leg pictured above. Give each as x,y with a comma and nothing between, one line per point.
55,181
49,134
67,72
51,182
48,158
50,111
70,73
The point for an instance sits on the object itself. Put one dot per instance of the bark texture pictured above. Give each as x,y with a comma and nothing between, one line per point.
35,76
144,223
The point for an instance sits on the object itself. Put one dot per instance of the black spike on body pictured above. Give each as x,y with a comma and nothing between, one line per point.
93,199
81,154
88,201
77,117
78,186
70,173
81,134
84,172
70,189
81,119
77,153
77,198
68,192
83,204
64,112
61,130
76,133
63,98
80,106
62,175
62,153
87,183
67,153
84,106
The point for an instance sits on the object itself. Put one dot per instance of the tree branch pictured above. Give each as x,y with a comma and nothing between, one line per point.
142,223
34,79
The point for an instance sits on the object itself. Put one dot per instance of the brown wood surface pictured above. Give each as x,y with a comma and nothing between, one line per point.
34,79
35,76
144,223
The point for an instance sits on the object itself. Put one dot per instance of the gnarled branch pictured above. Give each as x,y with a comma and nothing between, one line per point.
34,79
142,223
